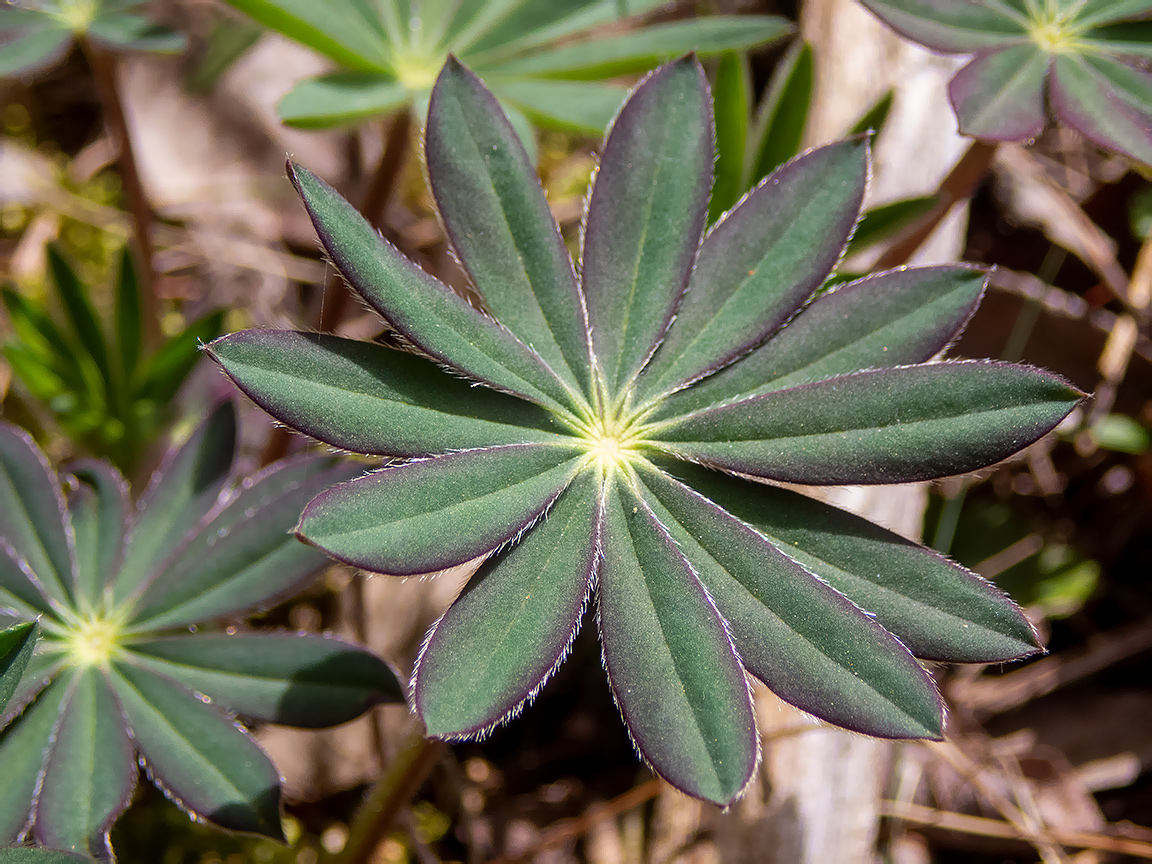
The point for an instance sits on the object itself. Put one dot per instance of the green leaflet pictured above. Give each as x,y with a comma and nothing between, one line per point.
645,217
497,219
404,520
854,673
673,671
90,771
22,754
513,624
199,755
882,426
304,681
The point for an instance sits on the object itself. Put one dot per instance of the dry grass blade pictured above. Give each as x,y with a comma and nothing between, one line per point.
980,825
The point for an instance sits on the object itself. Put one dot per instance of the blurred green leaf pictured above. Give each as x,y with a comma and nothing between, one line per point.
732,103
887,220
783,113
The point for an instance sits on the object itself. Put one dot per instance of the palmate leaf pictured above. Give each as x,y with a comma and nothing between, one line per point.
1080,61
110,683
545,59
704,352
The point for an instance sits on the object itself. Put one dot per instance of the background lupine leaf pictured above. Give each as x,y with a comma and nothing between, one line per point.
243,556
22,749
98,509
198,754
640,50
640,236
338,30
89,700
1000,95
135,33
90,771
31,509
885,220
887,319
428,313
33,50
670,661
498,221
405,520
853,673
940,610
958,28
342,97
1081,63
576,106
291,375
16,646
513,624
1108,101
761,262
298,680
181,493
882,426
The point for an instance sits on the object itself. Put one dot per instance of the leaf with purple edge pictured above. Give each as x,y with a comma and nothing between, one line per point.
244,556
895,318
89,772
673,670
1000,95
32,522
404,520
497,219
181,493
953,27
513,624
424,310
1108,101
368,399
22,750
939,609
761,262
881,426
98,510
854,674
198,754
645,217
298,680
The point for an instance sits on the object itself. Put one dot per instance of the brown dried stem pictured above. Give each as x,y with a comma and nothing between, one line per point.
103,65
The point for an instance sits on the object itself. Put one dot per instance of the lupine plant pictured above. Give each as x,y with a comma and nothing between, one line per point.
117,676
607,428
16,647
1085,63
99,382
37,33
543,58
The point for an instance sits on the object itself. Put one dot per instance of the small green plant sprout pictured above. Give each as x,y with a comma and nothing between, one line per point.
37,33
626,415
544,59
1083,63
104,388
117,675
